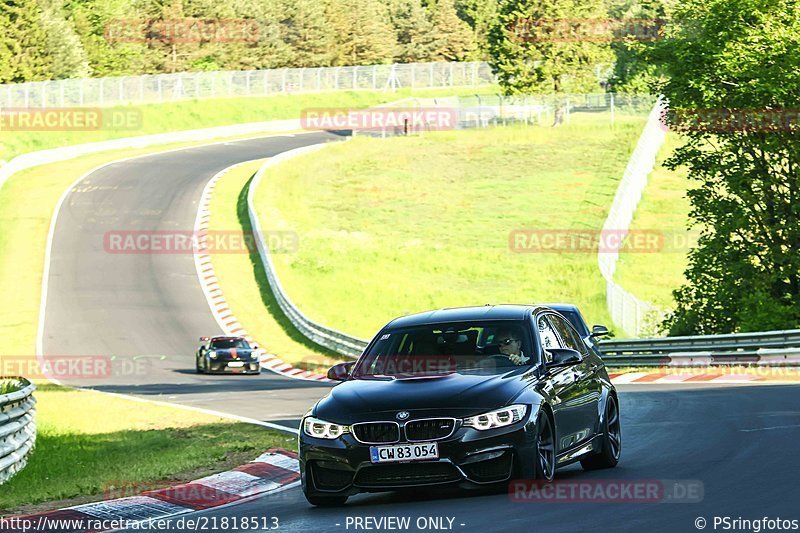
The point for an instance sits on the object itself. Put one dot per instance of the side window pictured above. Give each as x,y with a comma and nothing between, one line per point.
569,338
548,337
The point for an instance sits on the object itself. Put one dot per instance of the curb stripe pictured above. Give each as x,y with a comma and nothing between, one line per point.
274,470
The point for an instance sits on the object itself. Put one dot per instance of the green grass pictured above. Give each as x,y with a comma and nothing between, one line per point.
124,444
390,227
664,208
244,284
195,114
8,386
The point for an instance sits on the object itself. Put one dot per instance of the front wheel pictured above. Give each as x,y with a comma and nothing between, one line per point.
545,449
612,440
197,366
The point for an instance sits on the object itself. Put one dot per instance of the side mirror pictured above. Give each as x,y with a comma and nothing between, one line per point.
341,371
599,331
564,357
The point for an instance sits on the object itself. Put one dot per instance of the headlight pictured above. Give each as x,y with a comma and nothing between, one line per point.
497,419
212,354
314,427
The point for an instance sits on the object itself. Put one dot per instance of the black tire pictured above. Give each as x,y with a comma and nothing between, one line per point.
325,501
545,467
608,457
197,366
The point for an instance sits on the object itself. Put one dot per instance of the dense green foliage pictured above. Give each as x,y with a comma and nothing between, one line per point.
54,39
740,57
530,52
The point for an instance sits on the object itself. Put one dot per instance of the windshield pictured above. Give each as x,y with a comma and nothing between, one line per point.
224,344
436,349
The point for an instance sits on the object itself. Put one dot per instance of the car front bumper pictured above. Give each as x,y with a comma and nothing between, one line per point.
221,367
469,459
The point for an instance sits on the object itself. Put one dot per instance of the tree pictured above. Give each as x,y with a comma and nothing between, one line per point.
733,70
64,50
455,40
413,28
363,33
307,33
108,56
632,71
530,49
23,43
480,15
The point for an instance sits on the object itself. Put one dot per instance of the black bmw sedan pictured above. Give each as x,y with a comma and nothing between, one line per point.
467,397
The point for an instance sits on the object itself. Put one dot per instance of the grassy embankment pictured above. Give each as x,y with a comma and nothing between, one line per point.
389,227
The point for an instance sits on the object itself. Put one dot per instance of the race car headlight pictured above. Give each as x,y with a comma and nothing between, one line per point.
314,427
496,419
212,355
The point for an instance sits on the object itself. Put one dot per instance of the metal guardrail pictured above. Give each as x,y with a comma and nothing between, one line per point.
324,336
17,429
766,357
703,343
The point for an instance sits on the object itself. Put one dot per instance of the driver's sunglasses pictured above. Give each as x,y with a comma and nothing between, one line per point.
506,342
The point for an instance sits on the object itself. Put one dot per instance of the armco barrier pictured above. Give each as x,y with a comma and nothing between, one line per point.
784,357
17,428
700,343
322,335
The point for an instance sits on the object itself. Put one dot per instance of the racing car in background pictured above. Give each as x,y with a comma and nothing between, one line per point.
219,355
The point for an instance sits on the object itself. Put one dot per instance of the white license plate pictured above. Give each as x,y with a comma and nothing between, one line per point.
404,452
235,364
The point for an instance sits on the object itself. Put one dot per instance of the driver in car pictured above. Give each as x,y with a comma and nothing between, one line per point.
510,345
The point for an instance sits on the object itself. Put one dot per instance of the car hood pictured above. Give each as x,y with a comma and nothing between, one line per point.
449,395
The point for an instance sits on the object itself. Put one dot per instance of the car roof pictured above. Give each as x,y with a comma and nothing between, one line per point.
226,337
461,314
563,307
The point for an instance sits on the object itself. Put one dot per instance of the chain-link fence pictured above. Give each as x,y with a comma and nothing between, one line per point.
197,85
635,316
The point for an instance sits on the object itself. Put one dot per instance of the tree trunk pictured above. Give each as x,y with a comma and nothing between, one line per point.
558,119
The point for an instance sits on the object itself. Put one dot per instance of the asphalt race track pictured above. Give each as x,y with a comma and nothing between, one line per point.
732,440
149,306
738,443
